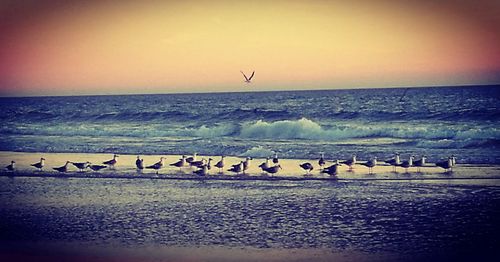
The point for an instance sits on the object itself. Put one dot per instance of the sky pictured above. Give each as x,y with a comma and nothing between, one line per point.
120,47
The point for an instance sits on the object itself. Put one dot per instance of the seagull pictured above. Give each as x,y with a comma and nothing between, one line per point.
407,164
332,170
81,166
180,163
275,159
220,164
351,162
246,164
97,167
447,165
111,163
200,163
139,163
248,79
157,166
12,166
420,163
453,160
63,169
191,158
321,161
308,167
203,171
273,169
266,164
40,164
237,168
370,164
394,162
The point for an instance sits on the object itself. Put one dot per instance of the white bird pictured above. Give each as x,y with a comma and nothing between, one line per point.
420,163
321,161
407,164
220,164
63,169
40,164
248,79
157,166
266,164
447,165
370,164
273,169
246,164
351,162
12,166
394,162
111,163
139,163
180,163
192,158
237,168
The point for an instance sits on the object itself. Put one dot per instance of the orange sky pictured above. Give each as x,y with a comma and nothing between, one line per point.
106,47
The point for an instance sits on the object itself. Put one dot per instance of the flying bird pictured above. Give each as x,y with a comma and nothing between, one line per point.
248,79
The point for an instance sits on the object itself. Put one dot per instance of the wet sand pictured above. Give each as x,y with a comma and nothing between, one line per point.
125,169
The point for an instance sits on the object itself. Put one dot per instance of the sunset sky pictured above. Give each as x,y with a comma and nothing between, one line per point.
119,47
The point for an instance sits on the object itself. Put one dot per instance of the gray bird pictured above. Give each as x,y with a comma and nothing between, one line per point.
40,164
63,169
12,166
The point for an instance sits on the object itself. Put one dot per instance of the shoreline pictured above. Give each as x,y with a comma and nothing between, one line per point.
125,169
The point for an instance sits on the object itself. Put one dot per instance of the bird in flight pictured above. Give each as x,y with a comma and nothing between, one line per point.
248,79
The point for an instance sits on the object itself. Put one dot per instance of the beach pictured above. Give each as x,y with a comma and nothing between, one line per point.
125,168
121,215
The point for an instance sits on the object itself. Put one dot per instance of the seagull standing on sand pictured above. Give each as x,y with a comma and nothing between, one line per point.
394,162
203,171
157,166
351,162
180,163
407,164
111,163
266,164
447,165
273,169
220,164
370,164
200,163
97,167
246,164
332,170
308,167
139,163
12,166
275,159
192,158
40,164
420,163
248,79
237,168
63,169
81,166
321,161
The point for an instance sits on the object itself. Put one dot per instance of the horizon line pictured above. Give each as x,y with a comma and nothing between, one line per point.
250,91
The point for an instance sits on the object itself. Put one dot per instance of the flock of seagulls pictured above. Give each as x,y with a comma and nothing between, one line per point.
269,166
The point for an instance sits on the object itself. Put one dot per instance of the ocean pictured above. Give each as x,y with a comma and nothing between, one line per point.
437,122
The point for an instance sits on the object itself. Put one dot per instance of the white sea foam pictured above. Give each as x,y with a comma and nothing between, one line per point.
258,151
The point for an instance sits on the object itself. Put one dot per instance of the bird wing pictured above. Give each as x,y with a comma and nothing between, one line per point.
246,78
250,78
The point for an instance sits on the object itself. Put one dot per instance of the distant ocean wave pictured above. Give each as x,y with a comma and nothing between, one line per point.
302,129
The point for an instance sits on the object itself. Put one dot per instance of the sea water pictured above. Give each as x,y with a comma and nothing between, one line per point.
437,122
